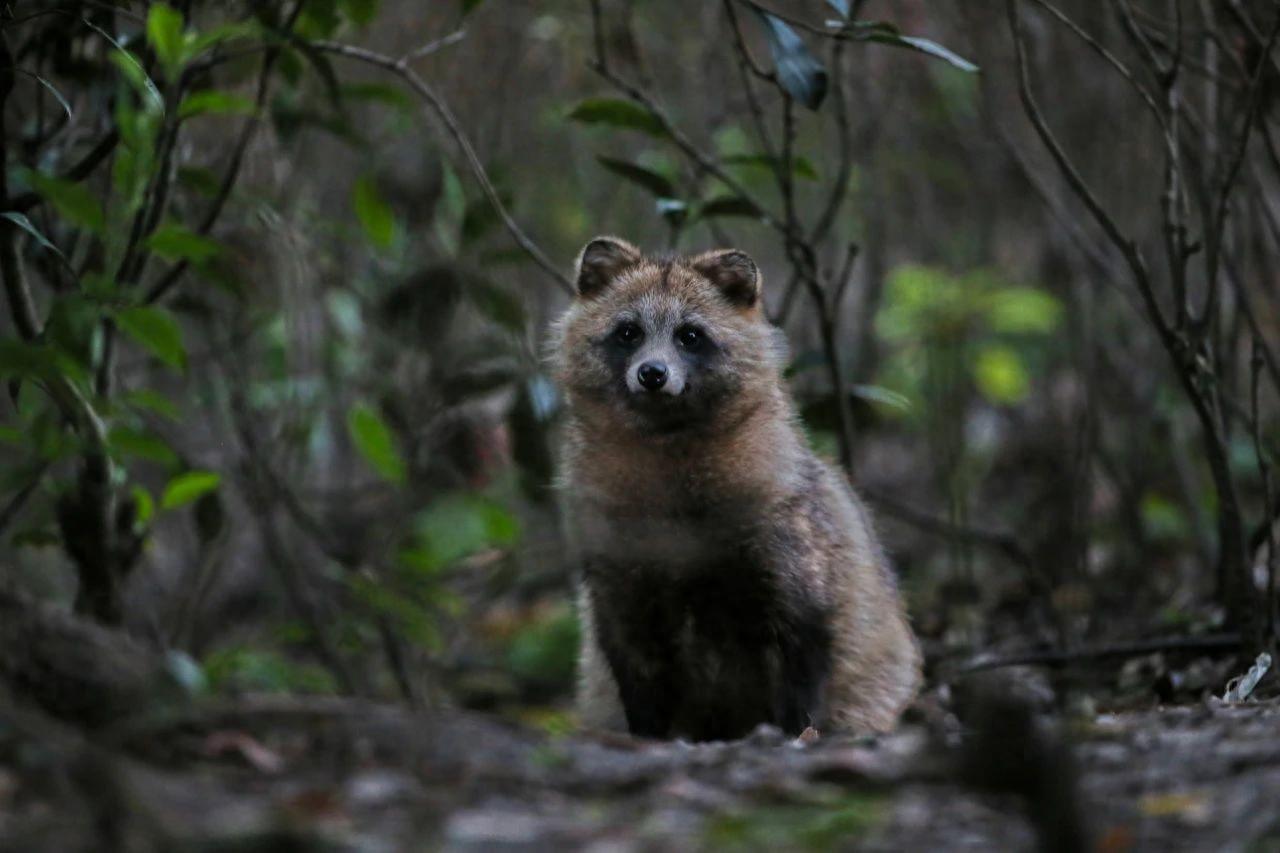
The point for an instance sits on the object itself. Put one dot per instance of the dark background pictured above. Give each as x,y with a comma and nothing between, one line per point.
277,402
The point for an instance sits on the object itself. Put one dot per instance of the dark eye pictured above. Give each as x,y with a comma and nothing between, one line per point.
628,333
690,337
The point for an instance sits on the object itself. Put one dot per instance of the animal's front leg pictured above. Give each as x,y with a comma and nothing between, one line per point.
804,642
646,698
640,655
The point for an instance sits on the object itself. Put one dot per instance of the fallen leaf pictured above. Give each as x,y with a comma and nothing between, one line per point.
1117,839
1189,806
808,736
259,757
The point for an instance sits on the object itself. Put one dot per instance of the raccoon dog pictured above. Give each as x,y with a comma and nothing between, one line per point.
727,577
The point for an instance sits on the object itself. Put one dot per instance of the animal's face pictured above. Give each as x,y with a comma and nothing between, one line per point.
664,344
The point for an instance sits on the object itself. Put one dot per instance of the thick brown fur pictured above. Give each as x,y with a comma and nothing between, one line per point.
728,576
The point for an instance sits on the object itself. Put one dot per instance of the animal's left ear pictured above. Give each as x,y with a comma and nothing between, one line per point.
734,273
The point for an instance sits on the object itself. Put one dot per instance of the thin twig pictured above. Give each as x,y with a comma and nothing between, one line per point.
1059,657
997,540
682,141
166,282
1213,237
401,69
1071,174
434,46
1264,473
15,504
840,185
80,170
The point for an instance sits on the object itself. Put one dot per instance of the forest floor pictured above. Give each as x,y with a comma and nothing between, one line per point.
336,774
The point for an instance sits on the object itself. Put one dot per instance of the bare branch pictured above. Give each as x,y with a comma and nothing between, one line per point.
1213,237
1130,251
1060,657
434,46
1264,472
401,69
1109,57
682,141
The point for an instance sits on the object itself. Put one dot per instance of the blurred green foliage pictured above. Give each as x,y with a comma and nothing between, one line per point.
818,826
545,651
244,668
996,329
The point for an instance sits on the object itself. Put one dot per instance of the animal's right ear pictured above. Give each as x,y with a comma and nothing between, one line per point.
601,261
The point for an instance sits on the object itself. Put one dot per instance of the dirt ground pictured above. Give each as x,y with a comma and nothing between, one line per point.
277,774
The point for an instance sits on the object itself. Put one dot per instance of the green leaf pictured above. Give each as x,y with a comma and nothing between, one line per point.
360,12
137,77
546,649
922,45
639,175
729,206
1024,310
243,668
799,71
25,224
468,6
800,166
164,33
375,443
198,43
175,242
618,113
151,401
379,92
20,360
215,102
144,507
375,216
126,441
156,331
411,619
883,396
66,107
36,537
200,179
72,200
188,487
129,66
458,527
1162,519
319,19
1000,375
451,211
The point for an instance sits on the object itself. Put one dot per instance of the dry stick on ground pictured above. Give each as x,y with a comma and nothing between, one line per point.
1059,657
400,68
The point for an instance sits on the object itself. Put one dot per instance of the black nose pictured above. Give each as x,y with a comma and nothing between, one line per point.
652,375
